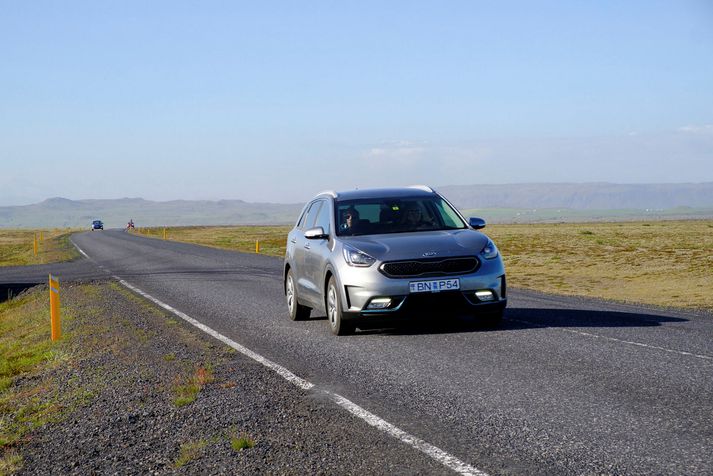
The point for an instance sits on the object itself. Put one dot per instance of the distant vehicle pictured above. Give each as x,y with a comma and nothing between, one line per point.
97,225
368,254
130,225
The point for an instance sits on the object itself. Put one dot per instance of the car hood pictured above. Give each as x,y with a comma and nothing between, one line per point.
434,244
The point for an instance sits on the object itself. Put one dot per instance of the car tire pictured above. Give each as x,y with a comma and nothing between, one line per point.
297,311
333,305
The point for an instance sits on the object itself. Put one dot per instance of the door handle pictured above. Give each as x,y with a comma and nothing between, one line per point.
306,246
293,240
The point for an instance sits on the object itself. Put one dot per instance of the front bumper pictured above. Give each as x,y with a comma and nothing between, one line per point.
361,285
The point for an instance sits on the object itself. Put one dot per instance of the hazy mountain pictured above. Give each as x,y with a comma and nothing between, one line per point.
61,212
567,202
581,196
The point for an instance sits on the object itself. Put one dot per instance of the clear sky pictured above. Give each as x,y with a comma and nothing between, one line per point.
275,101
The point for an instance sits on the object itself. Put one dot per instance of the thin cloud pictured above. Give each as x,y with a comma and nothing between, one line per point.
697,129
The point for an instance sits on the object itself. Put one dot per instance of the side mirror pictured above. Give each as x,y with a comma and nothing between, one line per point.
316,233
476,223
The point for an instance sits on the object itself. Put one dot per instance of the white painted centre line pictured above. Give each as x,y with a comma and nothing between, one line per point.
446,459
622,341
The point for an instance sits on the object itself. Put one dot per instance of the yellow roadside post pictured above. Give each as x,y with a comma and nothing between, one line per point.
41,237
55,326
257,246
164,232
34,244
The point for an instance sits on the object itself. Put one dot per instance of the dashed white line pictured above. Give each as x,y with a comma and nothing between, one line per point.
622,341
446,459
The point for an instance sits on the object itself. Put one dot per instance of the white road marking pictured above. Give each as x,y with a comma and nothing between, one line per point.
286,374
428,449
622,341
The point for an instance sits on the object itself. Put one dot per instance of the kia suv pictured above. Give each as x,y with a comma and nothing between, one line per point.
365,255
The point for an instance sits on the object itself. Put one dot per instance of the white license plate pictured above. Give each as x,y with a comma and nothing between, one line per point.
435,286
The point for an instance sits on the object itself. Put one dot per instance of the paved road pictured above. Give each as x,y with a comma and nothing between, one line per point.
566,386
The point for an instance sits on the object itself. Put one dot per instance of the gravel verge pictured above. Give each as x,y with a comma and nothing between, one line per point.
130,357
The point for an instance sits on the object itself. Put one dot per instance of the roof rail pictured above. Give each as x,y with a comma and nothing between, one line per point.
328,192
425,188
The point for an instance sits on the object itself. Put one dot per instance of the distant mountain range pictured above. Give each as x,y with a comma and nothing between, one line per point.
567,202
581,196
62,212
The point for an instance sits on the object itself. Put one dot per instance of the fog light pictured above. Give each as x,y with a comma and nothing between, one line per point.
485,295
379,303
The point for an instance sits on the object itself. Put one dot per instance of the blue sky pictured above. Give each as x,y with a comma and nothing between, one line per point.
274,101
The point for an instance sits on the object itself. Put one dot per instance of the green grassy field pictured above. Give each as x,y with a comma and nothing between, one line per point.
16,247
665,263
26,350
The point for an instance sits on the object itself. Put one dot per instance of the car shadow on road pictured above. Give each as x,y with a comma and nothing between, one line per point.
521,318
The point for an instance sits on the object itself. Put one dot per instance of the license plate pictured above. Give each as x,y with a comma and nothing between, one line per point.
434,286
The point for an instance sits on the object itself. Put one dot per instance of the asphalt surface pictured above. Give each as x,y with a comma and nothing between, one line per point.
565,386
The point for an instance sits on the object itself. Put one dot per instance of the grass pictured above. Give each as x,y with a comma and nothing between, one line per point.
16,247
237,238
666,263
190,451
187,388
27,351
242,442
10,462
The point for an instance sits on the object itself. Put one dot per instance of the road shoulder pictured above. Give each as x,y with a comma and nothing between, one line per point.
160,397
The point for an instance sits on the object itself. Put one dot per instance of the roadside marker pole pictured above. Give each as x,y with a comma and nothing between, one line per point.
257,246
34,244
41,237
164,232
55,326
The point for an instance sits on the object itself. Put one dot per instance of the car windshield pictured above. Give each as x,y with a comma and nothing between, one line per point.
395,215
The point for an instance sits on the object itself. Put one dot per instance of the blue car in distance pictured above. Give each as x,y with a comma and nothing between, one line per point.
97,225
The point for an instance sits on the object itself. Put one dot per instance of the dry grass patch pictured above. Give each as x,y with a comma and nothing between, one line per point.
187,388
661,263
190,451
239,238
10,462
16,247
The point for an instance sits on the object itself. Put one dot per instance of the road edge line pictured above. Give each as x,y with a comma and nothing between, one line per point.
414,442
435,453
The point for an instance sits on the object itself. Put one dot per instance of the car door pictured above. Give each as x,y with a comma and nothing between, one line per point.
301,248
318,254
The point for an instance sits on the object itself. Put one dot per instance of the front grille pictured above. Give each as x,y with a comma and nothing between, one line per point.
430,267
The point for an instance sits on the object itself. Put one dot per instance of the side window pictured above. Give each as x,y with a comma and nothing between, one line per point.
311,215
301,220
323,217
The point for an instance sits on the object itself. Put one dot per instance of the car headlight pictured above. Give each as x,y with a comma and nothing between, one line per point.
489,251
355,257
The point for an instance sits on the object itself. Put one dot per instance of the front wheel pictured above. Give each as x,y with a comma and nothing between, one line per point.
334,311
298,312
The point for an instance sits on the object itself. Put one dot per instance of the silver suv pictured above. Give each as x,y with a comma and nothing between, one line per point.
364,255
